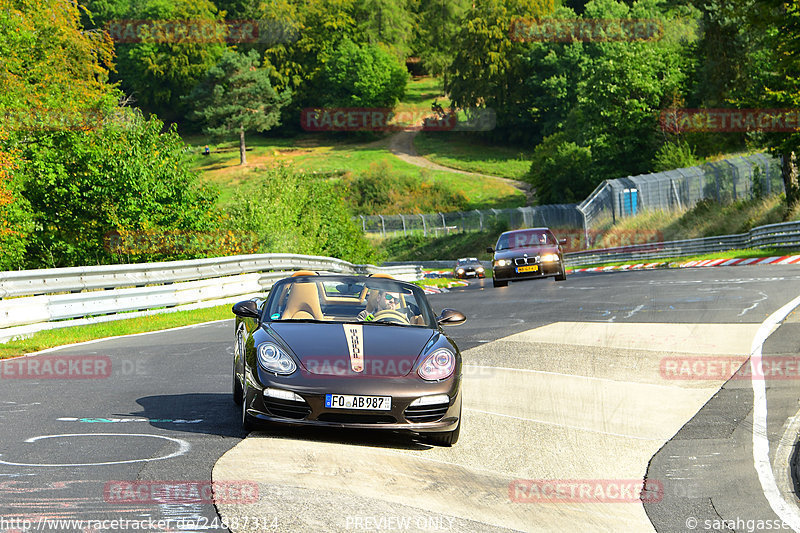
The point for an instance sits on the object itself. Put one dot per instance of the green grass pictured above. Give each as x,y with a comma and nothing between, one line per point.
467,151
441,283
335,157
58,337
704,220
423,91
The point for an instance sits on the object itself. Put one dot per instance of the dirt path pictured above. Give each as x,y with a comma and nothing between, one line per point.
401,145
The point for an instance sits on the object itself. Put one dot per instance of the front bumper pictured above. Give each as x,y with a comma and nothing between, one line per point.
312,411
509,273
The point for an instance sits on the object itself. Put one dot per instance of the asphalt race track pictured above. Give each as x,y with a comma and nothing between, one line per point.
575,393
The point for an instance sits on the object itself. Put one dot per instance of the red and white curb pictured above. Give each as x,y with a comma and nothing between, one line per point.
776,260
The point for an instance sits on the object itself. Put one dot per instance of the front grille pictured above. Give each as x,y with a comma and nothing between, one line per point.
526,260
356,419
286,408
426,413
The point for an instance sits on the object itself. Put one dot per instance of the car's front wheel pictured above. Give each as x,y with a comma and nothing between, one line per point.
445,438
562,275
238,397
499,283
247,421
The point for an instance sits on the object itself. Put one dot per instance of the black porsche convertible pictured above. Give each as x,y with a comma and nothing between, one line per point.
348,351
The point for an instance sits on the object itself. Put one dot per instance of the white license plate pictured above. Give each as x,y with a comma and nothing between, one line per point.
369,403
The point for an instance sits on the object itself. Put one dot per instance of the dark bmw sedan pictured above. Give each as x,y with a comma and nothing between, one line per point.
527,254
348,351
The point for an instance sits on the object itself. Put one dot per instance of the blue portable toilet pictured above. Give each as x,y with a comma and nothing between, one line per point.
630,202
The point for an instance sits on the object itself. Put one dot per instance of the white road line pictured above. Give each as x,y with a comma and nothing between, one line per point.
183,447
790,514
568,426
634,311
755,304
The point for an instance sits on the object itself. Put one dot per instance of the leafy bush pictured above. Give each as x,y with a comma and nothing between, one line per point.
674,155
382,190
295,212
362,76
561,171
128,175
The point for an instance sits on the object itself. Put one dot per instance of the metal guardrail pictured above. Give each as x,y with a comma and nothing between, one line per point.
32,300
784,235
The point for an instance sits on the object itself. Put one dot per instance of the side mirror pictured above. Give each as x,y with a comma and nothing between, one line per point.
246,309
562,242
451,317
490,250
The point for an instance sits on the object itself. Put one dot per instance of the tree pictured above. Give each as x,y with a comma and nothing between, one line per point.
237,97
124,176
438,23
779,22
489,68
161,66
385,22
362,76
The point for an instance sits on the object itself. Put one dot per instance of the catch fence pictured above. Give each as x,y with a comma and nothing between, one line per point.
554,216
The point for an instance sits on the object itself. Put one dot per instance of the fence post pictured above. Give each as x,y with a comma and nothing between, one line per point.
363,223
480,215
383,226
424,227
404,224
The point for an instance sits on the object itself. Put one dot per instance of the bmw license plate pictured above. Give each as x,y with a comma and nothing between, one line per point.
529,268
369,403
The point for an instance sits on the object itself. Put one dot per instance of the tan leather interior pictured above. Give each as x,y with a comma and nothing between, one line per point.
303,302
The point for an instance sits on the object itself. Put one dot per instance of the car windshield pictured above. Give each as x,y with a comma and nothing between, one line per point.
524,239
349,299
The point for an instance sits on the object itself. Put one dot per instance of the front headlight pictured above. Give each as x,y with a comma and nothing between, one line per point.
480,269
273,359
460,270
502,262
550,258
438,365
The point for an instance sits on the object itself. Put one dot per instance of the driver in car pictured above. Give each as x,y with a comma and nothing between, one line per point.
385,301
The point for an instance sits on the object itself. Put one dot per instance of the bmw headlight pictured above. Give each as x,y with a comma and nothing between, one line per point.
480,269
438,365
549,258
273,359
502,262
460,270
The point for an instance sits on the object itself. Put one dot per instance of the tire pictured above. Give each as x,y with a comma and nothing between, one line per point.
238,397
499,283
247,421
445,438
562,275
238,394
